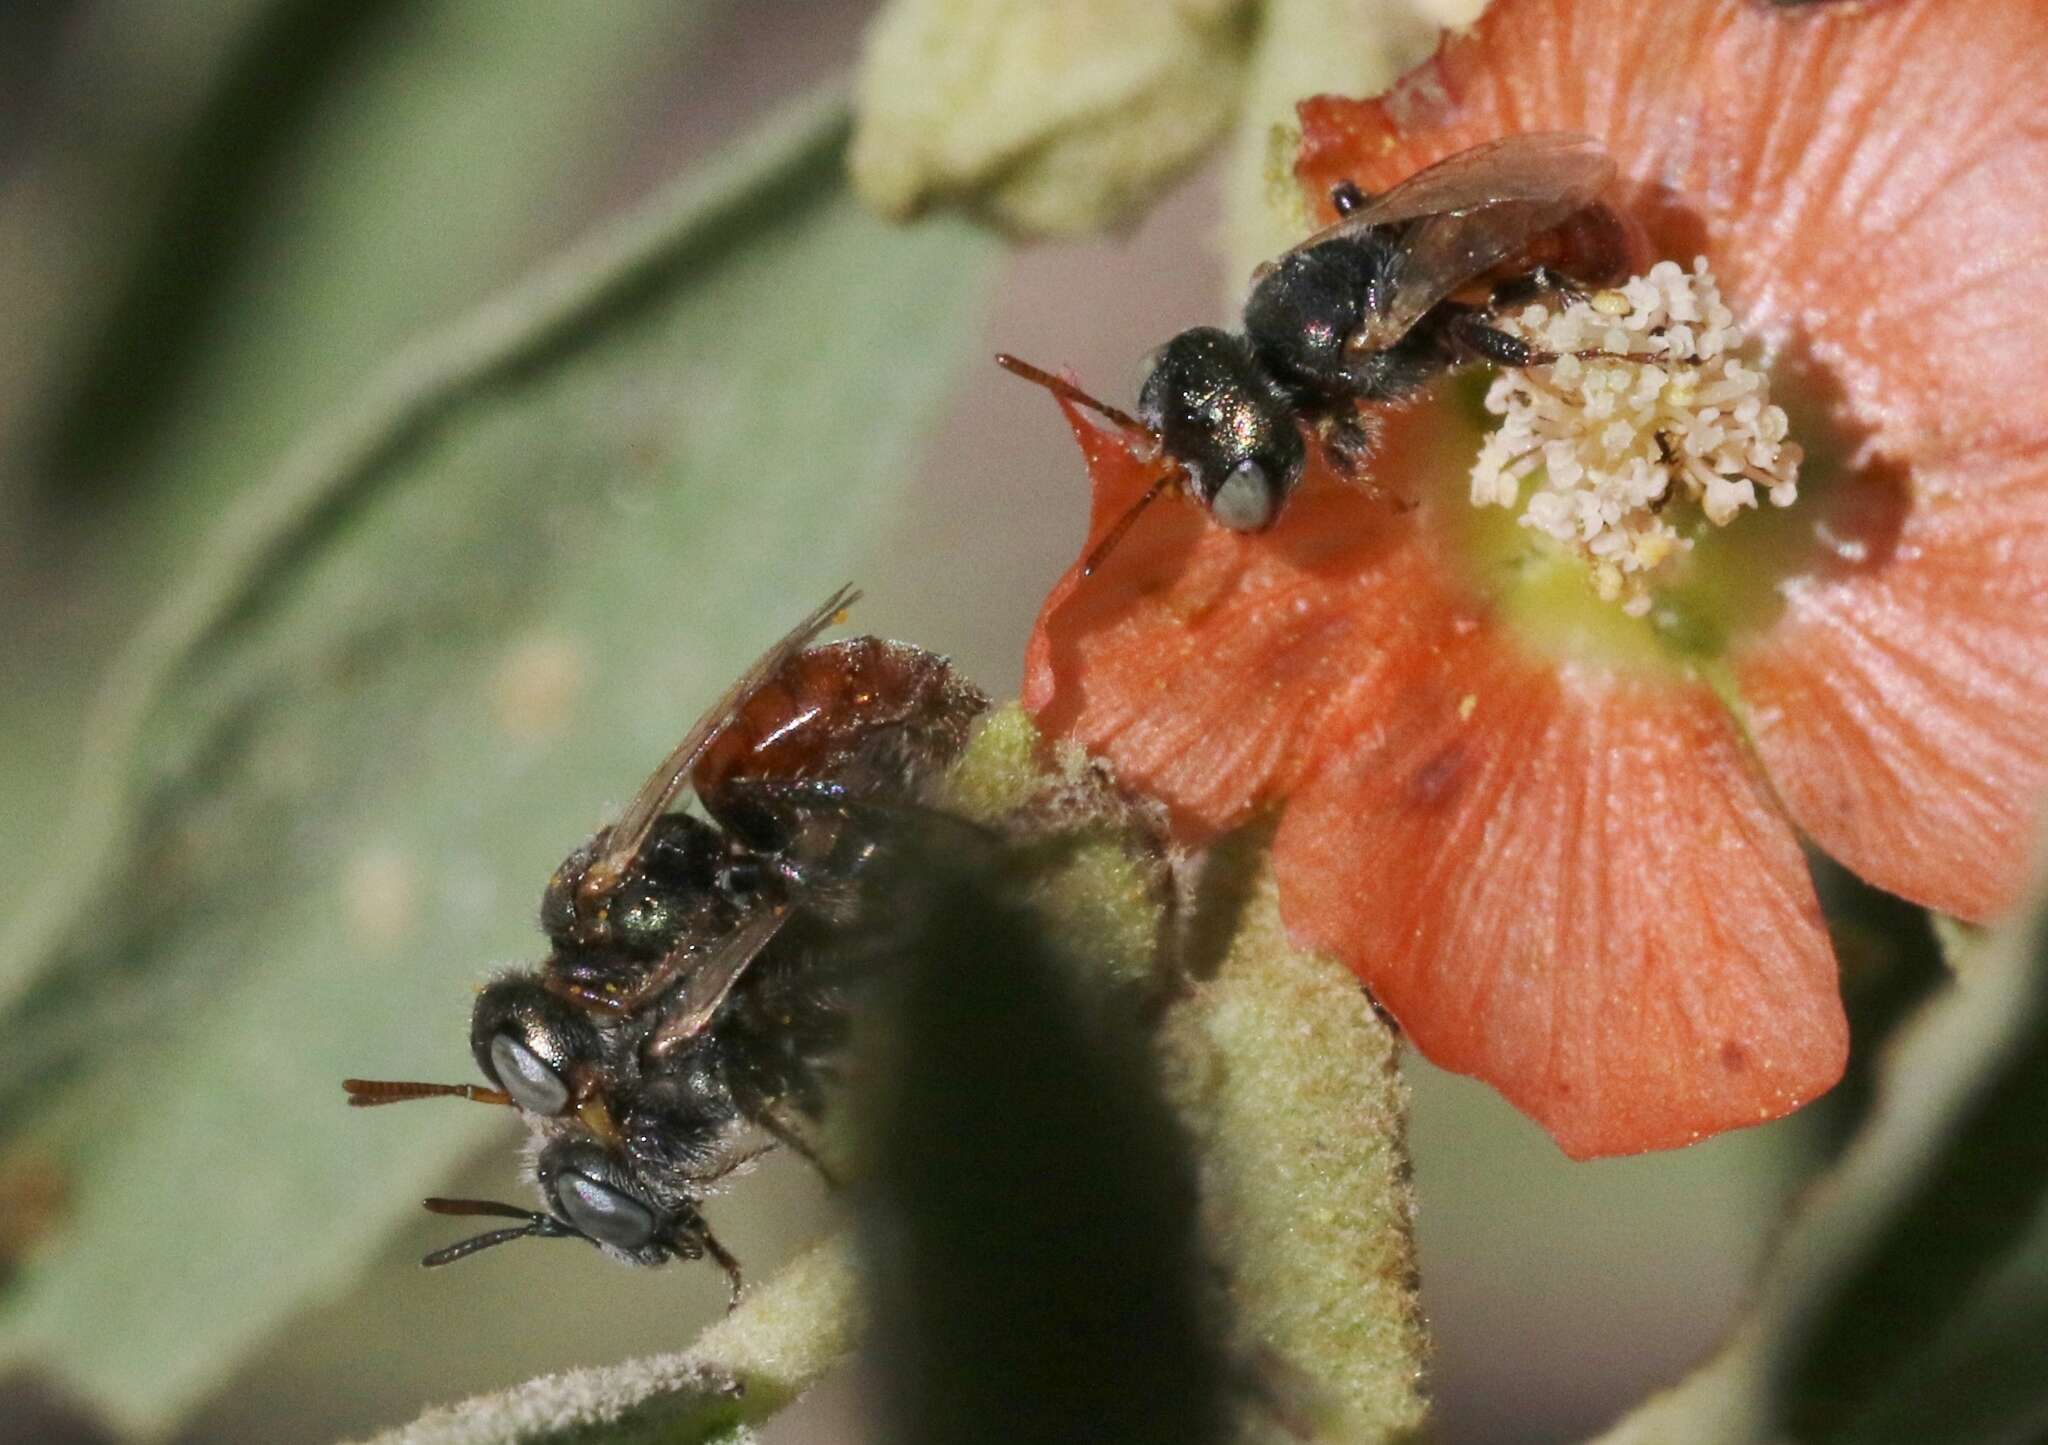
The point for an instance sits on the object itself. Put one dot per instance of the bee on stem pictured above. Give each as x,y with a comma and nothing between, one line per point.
1404,288
696,988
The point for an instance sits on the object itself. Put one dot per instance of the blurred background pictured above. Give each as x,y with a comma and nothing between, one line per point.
226,226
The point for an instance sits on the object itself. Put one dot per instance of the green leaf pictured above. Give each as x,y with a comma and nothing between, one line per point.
401,680
287,191
86,194
1291,1083
346,170
1962,944
774,1346
1048,118
1909,1302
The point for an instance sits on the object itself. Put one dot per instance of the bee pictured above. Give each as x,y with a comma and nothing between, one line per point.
1402,289
696,987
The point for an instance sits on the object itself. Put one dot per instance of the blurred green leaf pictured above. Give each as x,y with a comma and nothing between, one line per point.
1909,1303
392,690
1032,1242
325,176
1962,944
1892,963
1046,118
235,210
1303,48
277,72
87,182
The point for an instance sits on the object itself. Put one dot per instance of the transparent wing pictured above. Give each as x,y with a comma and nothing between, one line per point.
1555,168
1440,254
659,793
707,983
1468,213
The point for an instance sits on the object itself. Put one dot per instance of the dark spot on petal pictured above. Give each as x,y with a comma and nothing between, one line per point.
1436,780
1734,1057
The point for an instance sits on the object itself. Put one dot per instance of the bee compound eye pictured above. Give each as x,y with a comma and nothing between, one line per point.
524,1075
1244,503
603,1213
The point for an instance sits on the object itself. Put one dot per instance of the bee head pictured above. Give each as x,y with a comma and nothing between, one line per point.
538,1052
590,1190
1226,423
591,1194
531,1044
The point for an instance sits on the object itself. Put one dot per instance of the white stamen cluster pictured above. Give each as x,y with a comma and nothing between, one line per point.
1613,445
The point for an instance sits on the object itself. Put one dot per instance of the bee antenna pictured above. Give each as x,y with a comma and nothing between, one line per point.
369,1093
537,1226
475,1244
1123,524
1060,387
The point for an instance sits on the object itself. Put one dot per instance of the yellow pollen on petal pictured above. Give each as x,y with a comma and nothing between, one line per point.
1620,462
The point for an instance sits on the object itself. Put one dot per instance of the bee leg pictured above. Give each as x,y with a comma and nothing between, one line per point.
770,1118
808,797
1475,340
722,1257
1669,455
1346,197
738,1162
1348,440
1536,282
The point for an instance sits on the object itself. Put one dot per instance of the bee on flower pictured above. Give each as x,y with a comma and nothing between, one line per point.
1544,732
1608,446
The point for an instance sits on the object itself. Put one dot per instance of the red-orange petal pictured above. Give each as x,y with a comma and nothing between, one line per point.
1857,200
1573,886
1213,669
1901,706
1884,228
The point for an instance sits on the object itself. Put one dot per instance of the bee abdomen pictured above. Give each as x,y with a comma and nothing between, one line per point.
864,713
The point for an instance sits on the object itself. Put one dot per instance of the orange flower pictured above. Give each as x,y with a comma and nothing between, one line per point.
1558,843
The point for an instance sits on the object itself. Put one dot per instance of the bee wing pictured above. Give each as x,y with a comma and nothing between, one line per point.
1558,168
1440,254
659,793
707,983
1469,212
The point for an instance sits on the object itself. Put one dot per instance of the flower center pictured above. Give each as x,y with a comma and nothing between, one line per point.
1619,462
1615,513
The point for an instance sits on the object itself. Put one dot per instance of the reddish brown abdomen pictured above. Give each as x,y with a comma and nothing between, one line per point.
865,713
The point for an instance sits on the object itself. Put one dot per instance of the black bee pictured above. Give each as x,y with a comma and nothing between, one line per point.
700,966
1370,309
